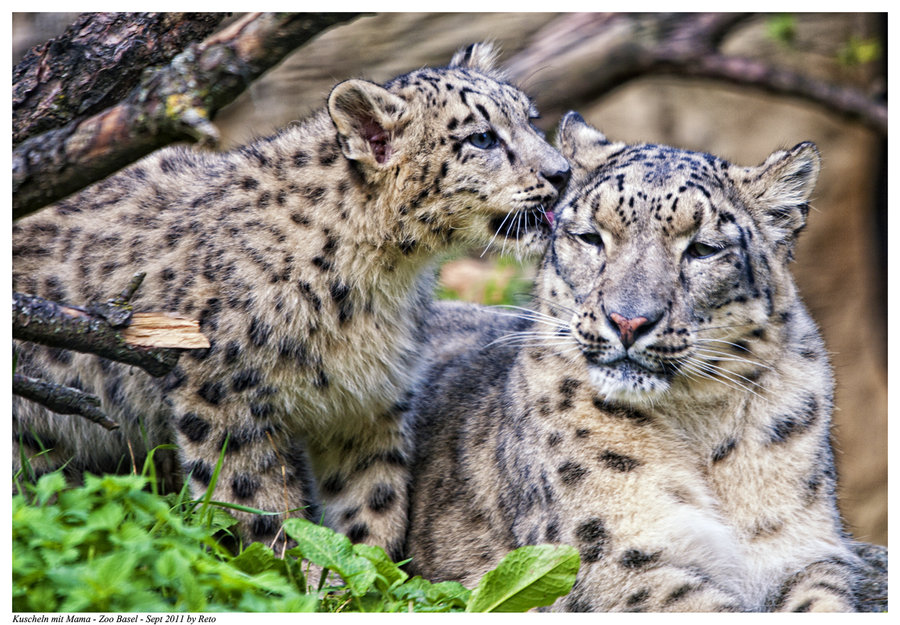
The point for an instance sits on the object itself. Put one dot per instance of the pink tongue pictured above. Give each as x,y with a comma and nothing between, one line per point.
549,216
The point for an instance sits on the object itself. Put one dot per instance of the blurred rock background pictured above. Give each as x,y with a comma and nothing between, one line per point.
842,256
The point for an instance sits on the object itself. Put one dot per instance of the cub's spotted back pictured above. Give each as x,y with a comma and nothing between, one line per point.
665,407
308,259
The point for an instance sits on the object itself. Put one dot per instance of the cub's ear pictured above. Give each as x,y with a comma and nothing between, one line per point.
480,56
368,119
585,147
778,191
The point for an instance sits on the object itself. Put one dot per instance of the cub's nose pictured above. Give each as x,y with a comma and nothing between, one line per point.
559,178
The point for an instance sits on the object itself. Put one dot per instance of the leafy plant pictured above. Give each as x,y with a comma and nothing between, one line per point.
113,546
525,579
528,577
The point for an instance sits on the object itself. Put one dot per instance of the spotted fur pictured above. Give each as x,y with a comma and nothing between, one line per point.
664,408
308,259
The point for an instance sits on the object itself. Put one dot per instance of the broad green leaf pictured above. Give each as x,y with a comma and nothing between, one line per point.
255,558
325,547
48,485
389,572
172,565
108,517
526,578
438,596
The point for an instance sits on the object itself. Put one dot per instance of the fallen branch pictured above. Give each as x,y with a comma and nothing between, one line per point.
172,103
111,330
62,399
49,323
164,330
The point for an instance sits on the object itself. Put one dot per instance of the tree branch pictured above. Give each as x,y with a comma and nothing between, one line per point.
95,63
847,101
42,321
62,399
175,102
595,53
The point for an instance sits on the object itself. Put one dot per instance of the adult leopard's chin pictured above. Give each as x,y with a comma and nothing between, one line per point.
627,382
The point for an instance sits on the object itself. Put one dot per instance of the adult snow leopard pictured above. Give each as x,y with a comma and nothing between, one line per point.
665,407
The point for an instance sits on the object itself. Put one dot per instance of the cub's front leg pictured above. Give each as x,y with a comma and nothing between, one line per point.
363,482
264,467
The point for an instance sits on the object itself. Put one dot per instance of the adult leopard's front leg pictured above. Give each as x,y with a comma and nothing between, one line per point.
363,484
824,586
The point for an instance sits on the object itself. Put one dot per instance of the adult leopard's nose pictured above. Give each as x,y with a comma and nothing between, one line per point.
630,330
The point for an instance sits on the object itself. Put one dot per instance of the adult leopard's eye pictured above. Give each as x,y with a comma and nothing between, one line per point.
591,238
701,250
483,140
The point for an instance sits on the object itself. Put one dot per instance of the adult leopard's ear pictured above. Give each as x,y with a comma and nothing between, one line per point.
368,119
778,191
585,147
480,56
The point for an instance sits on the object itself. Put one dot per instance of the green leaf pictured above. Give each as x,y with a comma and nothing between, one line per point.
433,597
49,485
172,565
325,547
389,573
108,517
526,578
255,558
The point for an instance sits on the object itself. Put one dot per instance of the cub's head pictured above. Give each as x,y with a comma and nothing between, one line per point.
672,265
454,153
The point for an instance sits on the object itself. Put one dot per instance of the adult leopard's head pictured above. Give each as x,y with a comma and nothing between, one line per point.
454,153
673,264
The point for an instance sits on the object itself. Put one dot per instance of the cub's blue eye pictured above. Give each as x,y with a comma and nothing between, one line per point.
483,140
701,250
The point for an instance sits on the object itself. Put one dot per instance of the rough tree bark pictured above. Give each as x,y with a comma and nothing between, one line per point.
62,399
95,63
171,103
90,330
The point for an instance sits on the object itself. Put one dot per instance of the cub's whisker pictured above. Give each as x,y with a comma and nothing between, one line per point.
530,313
556,305
496,234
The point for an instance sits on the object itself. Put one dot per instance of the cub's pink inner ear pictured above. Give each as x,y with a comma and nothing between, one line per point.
377,137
